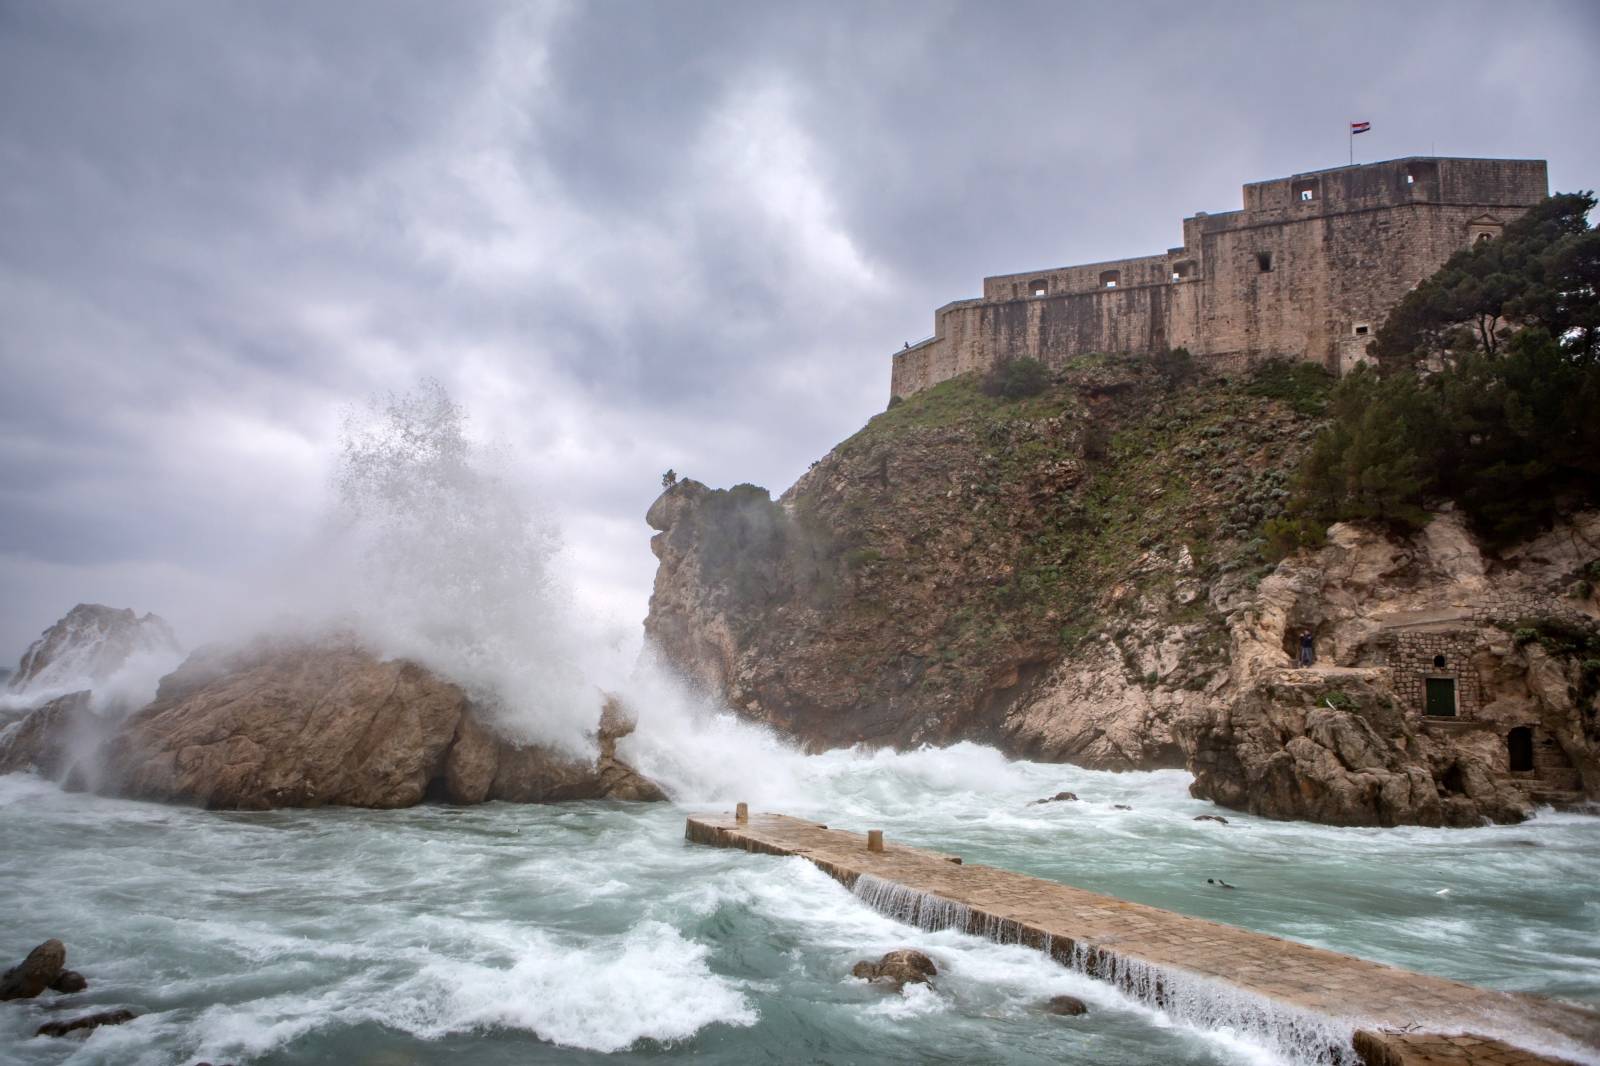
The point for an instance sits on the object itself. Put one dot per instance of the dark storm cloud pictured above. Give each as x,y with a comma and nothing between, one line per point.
626,236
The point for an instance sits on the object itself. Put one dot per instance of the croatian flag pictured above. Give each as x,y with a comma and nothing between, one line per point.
1359,127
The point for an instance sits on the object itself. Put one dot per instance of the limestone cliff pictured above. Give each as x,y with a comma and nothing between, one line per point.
1075,576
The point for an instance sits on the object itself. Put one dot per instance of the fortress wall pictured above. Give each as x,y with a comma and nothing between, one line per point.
1311,260
1141,270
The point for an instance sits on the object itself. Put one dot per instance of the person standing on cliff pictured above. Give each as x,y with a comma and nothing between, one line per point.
1308,654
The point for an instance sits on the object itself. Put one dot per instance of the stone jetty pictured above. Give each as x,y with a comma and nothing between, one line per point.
1309,1004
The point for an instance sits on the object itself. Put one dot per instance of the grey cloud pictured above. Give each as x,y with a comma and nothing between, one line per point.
628,236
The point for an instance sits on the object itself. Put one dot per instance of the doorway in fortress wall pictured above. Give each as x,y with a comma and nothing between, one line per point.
1440,701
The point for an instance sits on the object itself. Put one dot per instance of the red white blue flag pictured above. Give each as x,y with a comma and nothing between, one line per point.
1359,127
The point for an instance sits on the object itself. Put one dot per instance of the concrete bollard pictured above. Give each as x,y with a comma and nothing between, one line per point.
741,812
874,839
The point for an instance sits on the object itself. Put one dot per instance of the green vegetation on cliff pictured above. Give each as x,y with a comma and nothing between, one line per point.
1507,425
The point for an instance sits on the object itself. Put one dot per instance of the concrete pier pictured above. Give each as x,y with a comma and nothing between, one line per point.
1311,1004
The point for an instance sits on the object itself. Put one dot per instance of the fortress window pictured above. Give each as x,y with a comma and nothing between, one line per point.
1182,270
1362,329
1039,287
1305,191
1264,262
1110,279
1411,179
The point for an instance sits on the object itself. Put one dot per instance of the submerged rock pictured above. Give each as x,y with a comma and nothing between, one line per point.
35,973
87,1021
1069,1006
1059,797
1211,818
68,982
901,967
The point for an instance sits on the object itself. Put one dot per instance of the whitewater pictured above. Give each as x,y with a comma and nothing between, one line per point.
592,932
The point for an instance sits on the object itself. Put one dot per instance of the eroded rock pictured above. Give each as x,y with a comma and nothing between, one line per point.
302,724
899,968
1068,1006
35,973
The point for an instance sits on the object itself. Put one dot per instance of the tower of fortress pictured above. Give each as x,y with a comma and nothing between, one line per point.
1307,270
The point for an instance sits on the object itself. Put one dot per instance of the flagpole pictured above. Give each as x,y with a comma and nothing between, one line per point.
1352,130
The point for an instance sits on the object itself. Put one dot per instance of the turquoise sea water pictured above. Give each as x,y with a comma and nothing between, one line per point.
593,933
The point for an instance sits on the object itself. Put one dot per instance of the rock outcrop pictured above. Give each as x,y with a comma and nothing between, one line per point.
291,724
904,966
36,973
1077,577
88,646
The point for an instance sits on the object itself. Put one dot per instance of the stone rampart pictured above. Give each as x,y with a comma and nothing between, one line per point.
1307,270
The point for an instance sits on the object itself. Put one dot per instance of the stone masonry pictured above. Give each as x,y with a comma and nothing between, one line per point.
1307,271
1381,1015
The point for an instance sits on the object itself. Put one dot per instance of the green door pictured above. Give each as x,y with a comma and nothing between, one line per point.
1442,697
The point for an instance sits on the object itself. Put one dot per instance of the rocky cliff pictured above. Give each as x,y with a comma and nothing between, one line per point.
1077,576
89,644
294,724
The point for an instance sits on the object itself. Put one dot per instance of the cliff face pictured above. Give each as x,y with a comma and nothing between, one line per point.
1076,577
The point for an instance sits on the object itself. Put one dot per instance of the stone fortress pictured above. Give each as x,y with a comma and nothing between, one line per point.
1307,271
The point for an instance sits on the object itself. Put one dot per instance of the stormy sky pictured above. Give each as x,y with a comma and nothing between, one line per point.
626,236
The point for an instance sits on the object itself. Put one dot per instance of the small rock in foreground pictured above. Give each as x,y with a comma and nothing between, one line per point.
1066,1005
1210,818
35,973
88,1021
902,967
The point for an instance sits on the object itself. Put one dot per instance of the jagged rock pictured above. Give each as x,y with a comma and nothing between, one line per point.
1069,1006
1059,797
900,968
1210,818
35,973
52,738
292,724
87,646
1121,807
87,1021
68,982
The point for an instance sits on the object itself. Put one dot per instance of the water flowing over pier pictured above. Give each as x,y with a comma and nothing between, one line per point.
1308,1004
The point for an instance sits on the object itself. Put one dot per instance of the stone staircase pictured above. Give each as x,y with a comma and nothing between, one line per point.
1553,781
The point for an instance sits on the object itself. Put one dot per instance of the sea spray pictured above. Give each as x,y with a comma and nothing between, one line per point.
1192,999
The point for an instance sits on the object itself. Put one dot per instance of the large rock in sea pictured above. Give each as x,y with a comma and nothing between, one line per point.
297,724
88,646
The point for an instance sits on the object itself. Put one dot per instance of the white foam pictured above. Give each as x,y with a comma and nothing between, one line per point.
606,996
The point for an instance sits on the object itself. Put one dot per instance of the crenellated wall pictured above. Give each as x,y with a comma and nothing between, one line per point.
1307,270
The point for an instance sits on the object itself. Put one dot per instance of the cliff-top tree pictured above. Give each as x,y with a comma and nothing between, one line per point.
1509,429
1544,271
